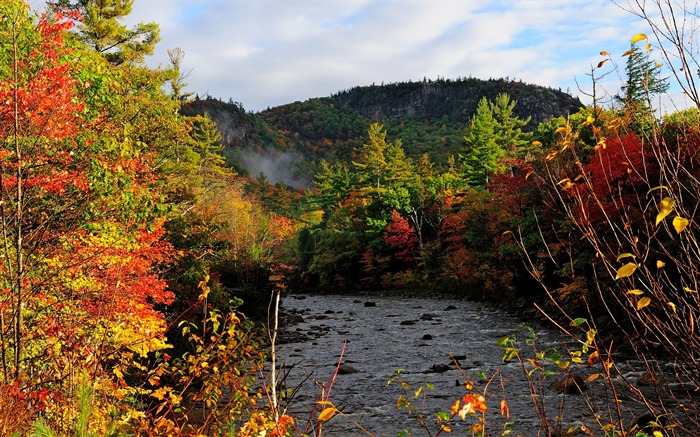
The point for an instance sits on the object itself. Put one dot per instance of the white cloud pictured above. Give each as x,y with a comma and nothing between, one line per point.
270,52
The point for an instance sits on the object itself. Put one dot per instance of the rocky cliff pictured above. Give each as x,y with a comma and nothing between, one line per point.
456,99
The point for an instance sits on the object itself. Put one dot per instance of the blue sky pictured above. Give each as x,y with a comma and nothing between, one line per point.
267,53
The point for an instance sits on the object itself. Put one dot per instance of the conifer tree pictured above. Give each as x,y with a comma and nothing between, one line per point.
101,29
483,152
643,79
494,135
509,133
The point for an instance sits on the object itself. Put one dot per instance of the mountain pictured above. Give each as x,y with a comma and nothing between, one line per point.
430,117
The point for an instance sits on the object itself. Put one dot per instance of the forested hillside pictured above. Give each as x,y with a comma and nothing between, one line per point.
428,117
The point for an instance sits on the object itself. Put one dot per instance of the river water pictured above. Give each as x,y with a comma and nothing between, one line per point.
422,337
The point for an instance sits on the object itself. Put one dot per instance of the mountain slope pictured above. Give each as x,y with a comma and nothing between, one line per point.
429,117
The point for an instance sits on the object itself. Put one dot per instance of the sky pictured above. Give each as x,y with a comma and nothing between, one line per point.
265,53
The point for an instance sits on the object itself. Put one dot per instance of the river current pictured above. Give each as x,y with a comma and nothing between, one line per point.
422,337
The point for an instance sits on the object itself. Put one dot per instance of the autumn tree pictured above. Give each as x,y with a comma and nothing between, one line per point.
81,225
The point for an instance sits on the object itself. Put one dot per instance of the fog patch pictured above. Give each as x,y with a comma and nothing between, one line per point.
277,166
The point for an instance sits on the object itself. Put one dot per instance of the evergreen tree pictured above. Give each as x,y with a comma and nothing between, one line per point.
643,79
494,135
333,183
509,133
101,29
483,152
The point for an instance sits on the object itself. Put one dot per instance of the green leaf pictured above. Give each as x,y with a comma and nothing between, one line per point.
441,415
578,321
626,270
503,340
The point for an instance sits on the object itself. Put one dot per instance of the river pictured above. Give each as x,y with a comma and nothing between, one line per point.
422,337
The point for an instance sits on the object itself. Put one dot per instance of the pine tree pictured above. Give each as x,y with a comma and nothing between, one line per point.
102,30
643,79
482,152
494,135
510,136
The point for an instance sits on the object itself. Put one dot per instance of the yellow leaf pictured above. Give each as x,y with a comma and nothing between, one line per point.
660,264
324,403
505,411
658,434
551,155
638,37
648,48
604,53
454,408
641,303
635,292
592,358
689,290
627,53
672,305
590,120
593,377
667,205
625,255
680,223
657,64
626,270
536,144
560,130
327,414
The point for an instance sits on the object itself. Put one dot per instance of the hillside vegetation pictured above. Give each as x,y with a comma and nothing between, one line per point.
428,117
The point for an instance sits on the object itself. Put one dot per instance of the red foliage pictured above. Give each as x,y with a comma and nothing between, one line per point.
515,192
623,162
459,257
401,236
620,175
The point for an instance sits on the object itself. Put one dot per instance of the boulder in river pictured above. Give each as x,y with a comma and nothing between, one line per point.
569,383
439,368
370,304
294,318
407,322
346,369
648,379
647,422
